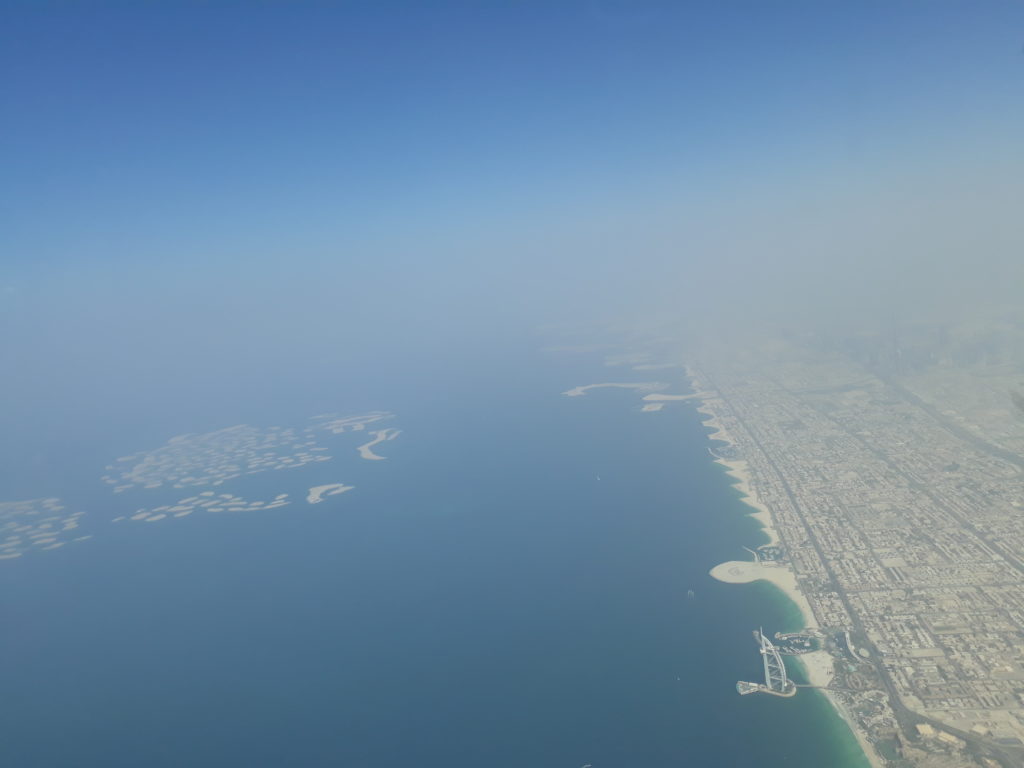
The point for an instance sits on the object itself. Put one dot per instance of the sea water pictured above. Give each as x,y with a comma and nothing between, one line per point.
510,587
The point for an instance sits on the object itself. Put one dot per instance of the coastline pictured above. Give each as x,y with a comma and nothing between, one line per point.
873,758
739,470
817,665
780,576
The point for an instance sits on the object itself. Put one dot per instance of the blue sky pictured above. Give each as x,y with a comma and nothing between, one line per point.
188,130
177,174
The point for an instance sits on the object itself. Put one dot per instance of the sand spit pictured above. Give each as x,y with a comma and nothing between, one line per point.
380,435
319,492
649,386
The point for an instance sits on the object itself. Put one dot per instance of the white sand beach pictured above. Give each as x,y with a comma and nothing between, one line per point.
738,469
818,666
781,576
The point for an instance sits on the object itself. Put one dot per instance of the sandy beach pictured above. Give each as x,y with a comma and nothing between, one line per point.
817,664
782,576
865,745
738,469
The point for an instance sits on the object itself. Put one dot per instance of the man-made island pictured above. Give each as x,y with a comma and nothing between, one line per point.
649,386
379,436
320,492
37,525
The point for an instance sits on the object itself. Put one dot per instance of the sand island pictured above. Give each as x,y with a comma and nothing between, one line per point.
650,386
36,525
319,492
380,435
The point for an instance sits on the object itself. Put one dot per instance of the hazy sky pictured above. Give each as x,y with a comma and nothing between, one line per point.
255,186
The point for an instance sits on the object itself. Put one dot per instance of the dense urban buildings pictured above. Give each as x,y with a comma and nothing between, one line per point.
895,482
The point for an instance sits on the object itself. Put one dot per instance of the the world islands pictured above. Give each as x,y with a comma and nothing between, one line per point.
207,463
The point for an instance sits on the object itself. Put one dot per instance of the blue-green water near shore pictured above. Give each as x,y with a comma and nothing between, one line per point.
510,589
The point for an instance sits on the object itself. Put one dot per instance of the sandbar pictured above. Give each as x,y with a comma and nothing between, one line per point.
652,407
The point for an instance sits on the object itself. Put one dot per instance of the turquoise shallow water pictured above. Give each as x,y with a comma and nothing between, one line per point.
480,598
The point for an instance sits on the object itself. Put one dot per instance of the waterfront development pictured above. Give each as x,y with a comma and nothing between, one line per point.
526,588
863,523
892,492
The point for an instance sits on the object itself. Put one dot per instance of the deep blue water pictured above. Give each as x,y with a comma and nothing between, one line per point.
481,598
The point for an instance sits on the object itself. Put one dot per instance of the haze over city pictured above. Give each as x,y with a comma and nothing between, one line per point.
520,333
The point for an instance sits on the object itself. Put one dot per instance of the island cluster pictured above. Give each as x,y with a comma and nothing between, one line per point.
36,524
202,461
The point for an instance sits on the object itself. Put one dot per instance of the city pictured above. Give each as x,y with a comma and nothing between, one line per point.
897,500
